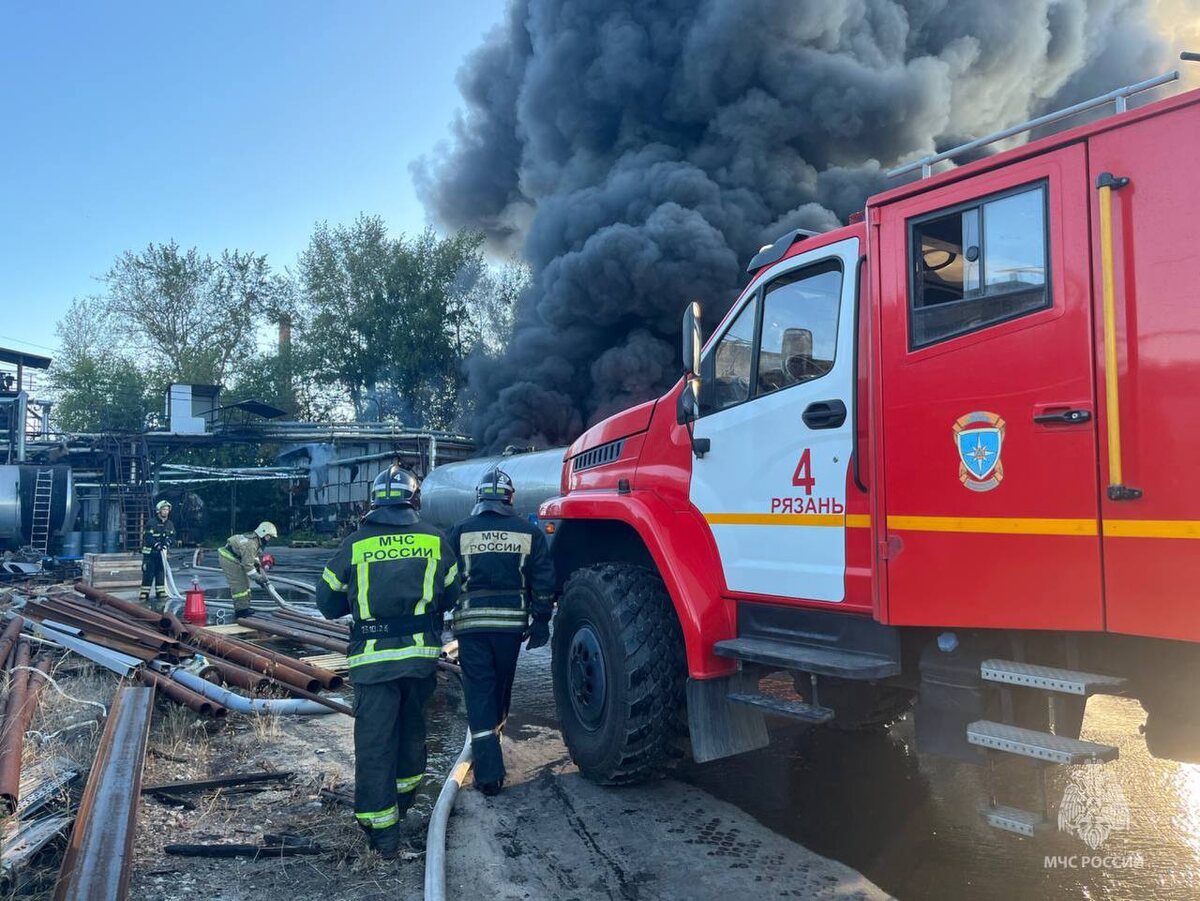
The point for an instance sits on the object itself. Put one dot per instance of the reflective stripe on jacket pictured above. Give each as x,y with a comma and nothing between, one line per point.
158,533
508,575
393,568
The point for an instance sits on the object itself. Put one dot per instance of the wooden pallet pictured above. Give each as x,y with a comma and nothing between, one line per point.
235,629
335,663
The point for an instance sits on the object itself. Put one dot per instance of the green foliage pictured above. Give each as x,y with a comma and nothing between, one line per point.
97,388
191,317
392,319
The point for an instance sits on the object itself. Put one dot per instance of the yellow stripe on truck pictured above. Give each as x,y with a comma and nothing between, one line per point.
984,525
1152,528
993,525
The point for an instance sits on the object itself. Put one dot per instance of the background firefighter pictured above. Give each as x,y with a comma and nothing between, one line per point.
158,537
508,594
241,558
396,577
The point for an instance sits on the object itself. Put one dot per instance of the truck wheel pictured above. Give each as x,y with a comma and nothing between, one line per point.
619,673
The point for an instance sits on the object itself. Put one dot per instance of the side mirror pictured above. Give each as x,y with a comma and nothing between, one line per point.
693,339
688,409
693,343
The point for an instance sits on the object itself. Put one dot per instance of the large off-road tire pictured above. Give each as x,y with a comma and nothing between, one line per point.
619,673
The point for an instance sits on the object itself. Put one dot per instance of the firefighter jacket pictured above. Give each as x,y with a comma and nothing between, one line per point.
244,549
396,577
507,572
158,535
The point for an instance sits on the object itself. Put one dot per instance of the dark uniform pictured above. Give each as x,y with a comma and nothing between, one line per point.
508,592
397,577
159,535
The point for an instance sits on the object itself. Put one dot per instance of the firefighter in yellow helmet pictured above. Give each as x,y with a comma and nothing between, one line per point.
241,558
396,576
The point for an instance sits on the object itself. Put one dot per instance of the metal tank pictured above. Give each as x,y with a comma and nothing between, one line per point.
17,486
448,492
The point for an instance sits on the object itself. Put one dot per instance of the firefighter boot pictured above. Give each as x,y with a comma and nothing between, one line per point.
490,789
384,842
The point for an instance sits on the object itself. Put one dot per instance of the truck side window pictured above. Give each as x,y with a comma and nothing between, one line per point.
732,359
799,327
979,265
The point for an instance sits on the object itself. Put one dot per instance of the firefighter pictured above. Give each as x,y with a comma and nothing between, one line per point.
159,535
508,595
241,559
396,577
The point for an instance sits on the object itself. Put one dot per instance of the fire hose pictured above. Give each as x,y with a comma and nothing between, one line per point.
435,836
241,704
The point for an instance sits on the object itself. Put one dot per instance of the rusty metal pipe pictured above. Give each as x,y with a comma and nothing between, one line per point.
12,737
210,644
100,851
162,621
95,621
181,694
239,676
9,636
312,622
300,636
324,677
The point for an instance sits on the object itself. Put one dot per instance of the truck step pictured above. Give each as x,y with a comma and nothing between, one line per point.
824,661
1038,745
797,710
1050,678
1013,819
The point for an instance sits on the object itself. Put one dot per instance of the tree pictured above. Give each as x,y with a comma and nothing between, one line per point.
190,317
97,388
391,319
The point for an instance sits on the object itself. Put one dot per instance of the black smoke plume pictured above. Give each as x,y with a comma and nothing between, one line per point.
637,152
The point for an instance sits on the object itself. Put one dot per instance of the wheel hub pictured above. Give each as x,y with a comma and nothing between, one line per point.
585,677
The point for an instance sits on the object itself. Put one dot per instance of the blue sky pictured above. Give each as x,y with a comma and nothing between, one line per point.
218,124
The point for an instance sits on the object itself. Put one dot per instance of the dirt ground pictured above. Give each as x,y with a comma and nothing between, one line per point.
551,834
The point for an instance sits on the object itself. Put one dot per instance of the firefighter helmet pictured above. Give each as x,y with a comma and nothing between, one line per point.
266,530
494,492
159,506
396,485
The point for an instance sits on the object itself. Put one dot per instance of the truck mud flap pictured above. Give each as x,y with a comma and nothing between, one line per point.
718,726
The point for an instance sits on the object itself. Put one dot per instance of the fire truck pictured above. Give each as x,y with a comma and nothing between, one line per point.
940,457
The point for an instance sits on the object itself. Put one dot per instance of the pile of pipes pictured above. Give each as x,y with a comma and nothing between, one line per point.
300,629
189,664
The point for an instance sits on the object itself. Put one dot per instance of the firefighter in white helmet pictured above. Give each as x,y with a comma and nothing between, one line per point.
241,558
159,535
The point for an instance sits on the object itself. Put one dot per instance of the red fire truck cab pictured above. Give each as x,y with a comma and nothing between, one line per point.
941,455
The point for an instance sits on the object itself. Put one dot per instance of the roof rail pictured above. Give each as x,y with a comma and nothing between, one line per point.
1120,96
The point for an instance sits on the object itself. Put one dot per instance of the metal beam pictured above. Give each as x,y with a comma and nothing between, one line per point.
96,866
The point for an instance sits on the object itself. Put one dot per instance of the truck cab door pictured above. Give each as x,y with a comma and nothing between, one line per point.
988,400
777,407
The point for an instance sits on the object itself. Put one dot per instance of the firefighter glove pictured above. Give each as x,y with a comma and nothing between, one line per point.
539,634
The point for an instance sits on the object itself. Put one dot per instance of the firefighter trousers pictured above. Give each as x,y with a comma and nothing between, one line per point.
389,753
489,663
239,582
153,576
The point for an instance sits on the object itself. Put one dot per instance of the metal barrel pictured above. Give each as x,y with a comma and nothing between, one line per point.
72,544
448,492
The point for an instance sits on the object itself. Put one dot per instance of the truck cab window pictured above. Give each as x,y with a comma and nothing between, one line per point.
978,265
799,327
732,360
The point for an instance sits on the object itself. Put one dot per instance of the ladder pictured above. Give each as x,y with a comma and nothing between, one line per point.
43,497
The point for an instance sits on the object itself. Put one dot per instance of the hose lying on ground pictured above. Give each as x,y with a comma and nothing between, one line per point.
435,837
241,704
